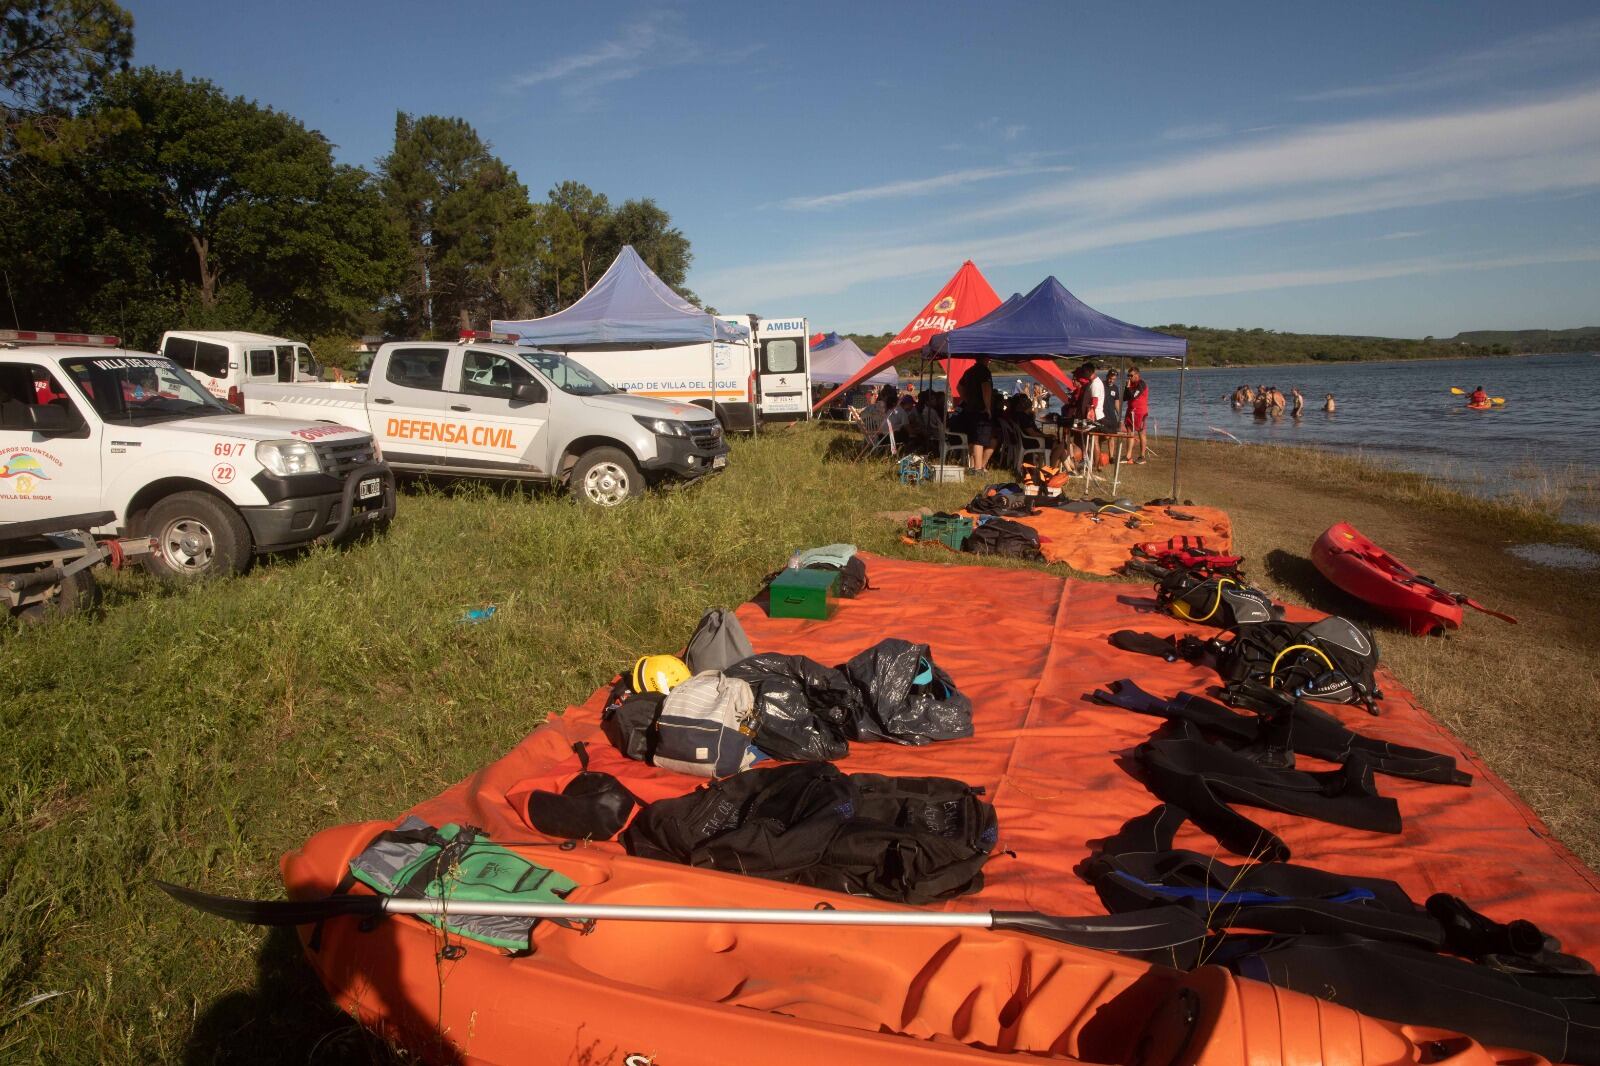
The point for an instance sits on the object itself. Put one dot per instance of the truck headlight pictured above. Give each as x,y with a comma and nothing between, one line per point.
663,427
286,457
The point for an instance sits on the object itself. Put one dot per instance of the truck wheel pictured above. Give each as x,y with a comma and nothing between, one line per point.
197,537
606,477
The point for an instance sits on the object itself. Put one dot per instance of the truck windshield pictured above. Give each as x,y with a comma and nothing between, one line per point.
567,375
136,390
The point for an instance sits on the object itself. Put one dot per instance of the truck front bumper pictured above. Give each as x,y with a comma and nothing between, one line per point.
334,517
681,457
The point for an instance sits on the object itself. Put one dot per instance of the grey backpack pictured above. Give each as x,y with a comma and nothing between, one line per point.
705,726
718,642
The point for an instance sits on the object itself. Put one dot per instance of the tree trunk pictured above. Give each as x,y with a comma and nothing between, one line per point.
208,273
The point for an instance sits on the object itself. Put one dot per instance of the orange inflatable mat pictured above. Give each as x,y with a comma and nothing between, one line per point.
1100,547
1027,647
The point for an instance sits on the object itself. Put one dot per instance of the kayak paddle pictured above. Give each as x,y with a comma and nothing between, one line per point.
1463,392
1147,930
1461,598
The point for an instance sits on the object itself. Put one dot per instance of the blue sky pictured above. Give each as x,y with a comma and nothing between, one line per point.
1385,168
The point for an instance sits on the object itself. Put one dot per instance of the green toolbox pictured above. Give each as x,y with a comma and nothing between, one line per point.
798,592
949,529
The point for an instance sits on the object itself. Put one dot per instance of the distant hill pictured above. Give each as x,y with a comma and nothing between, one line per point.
869,342
1582,339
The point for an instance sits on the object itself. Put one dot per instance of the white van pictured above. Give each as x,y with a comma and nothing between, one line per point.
224,361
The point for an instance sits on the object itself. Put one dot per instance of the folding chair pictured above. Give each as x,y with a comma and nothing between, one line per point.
877,435
1021,447
952,445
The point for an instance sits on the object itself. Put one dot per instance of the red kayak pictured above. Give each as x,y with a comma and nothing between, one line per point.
1372,575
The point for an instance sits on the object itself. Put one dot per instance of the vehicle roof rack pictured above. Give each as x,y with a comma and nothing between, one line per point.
486,335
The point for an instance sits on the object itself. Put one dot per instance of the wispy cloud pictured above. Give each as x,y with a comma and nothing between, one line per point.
1542,148
1013,131
651,42
1543,49
895,190
1233,284
891,258
1195,131
1402,235
1331,154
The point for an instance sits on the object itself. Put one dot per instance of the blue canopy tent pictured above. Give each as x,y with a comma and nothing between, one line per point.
628,305
836,359
1051,323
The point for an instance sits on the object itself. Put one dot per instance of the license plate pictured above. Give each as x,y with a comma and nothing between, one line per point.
719,462
783,405
370,488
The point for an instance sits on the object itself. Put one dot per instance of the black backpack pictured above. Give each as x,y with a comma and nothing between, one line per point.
1200,596
1002,500
1001,536
907,839
852,576
1331,660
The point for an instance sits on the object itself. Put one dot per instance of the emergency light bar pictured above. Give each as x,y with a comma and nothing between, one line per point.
28,336
487,335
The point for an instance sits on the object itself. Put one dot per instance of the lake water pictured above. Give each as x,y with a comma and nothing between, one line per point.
1545,440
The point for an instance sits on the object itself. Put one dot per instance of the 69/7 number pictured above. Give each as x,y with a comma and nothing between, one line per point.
225,448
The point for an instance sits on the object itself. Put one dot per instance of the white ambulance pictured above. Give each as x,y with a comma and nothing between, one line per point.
767,372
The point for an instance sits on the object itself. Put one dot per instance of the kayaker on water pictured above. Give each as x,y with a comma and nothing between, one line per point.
1479,398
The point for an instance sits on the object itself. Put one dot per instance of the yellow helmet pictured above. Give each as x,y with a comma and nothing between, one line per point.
658,673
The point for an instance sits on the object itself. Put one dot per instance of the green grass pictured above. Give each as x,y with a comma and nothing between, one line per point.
197,734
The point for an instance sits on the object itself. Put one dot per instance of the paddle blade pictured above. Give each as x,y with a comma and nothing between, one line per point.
1476,606
273,911
1146,930
1457,392
1497,399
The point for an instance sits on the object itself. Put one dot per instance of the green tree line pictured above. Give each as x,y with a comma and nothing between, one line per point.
135,200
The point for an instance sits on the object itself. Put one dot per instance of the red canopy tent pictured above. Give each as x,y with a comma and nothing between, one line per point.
965,298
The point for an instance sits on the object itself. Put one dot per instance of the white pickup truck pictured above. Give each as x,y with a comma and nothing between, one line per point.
86,426
478,408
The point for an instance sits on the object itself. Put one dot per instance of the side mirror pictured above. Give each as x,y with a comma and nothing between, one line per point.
52,418
530,392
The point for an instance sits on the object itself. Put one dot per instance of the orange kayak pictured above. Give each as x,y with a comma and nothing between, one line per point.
1367,572
663,994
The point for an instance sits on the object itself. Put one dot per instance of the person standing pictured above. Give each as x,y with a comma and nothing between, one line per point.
1136,409
976,392
1299,401
1329,405
1091,407
1113,398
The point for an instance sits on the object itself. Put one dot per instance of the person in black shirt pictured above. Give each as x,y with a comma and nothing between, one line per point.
976,390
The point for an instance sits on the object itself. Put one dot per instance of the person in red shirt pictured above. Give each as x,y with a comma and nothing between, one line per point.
1136,408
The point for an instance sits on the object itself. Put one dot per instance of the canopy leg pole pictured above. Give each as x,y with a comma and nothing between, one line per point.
1177,432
